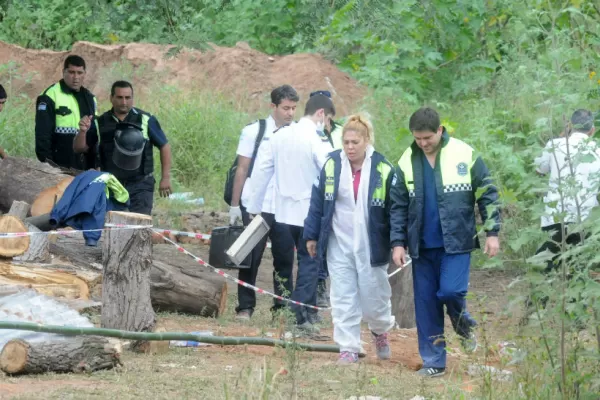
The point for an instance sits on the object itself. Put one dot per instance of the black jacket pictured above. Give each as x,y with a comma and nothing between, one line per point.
59,148
457,209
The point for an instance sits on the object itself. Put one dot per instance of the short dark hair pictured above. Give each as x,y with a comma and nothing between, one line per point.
75,61
3,94
317,102
424,119
120,84
582,120
284,92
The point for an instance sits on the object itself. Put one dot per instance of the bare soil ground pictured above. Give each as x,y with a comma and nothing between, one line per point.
239,73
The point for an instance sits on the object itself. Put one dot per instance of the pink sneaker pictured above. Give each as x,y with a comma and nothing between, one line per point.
382,345
347,358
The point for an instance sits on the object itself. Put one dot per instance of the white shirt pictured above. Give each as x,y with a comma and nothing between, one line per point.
585,161
293,157
246,149
351,217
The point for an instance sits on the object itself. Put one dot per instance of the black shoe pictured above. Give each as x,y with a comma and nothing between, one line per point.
322,294
314,318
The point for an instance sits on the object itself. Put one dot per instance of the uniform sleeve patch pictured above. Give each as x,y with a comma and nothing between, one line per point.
42,107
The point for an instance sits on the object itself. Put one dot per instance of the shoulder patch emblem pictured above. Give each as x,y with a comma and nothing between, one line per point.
42,107
461,169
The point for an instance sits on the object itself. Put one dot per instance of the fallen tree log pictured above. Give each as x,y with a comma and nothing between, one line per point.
178,284
24,179
179,289
52,280
62,354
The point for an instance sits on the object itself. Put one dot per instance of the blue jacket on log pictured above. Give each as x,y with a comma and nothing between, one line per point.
85,202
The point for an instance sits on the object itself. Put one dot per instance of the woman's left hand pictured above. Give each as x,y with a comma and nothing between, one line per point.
311,246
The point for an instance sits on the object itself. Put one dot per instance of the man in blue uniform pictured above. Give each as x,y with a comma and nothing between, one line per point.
140,181
432,213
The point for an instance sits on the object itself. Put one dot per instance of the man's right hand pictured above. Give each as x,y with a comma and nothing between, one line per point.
85,123
311,246
235,216
399,256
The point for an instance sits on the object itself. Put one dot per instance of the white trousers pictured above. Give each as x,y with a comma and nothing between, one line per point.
358,291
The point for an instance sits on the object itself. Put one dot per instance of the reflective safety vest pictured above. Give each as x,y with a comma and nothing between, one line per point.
66,110
455,159
112,184
381,174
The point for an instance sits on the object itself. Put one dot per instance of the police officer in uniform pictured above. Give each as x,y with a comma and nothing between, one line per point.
439,181
139,182
59,110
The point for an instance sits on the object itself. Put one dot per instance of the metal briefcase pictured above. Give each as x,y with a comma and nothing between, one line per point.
221,239
248,240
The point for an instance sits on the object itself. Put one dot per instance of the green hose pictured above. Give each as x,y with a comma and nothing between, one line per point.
220,340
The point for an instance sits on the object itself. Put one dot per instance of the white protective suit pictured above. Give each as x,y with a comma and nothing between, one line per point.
358,290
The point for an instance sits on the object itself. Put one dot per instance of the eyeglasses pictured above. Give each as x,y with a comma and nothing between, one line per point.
325,93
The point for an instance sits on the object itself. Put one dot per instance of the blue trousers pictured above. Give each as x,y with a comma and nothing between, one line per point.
440,279
323,271
306,277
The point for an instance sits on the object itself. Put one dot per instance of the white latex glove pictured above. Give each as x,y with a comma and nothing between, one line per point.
235,216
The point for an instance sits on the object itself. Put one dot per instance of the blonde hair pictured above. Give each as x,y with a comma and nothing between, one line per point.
360,124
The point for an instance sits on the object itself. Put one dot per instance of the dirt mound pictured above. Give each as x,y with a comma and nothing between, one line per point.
239,72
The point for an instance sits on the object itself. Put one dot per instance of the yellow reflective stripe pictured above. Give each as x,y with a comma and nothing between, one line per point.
145,120
405,165
329,178
380,190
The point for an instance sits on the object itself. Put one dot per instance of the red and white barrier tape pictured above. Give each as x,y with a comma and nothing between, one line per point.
236,280
195,235
113,227
164,233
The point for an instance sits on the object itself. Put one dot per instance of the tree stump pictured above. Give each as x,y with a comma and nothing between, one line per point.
14,246
127,260
60,354
403,300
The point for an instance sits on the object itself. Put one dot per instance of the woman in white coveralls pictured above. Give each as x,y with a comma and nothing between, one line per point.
348,223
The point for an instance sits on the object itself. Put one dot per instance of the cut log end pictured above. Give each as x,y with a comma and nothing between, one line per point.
11,247
14,357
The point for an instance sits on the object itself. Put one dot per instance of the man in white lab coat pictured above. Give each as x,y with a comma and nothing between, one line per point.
283,106
294,156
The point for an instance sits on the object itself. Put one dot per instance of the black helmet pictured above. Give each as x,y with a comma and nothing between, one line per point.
129,146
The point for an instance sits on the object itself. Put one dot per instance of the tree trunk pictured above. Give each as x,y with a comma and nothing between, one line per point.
127,260
12,246
24,179
186,290
403,300
61,354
